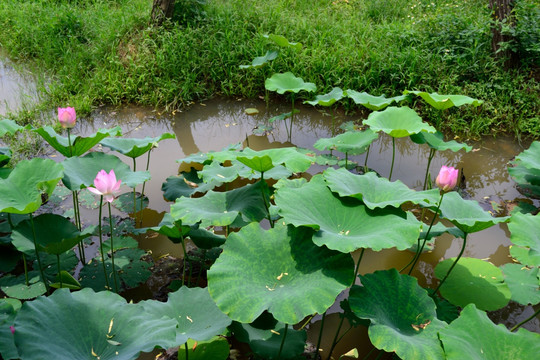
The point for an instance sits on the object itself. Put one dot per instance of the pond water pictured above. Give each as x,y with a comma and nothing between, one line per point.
17,86
216,124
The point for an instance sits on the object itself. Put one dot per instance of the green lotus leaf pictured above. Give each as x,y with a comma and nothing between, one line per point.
282,41
123,242
375,103
265,335
287,82
187,184
124,202
20,192
54,234
445,310
79,144
15,286
283,116
227,174
216,348
467,215
525,230
523,283
236,207
345,224
350,142
528,180
10,127
293,278
403,316
290,183
134,148
68,261
170,228
473,281
276,173
205,239
215,171
526,256
374,191
292,158
474,337
328,99
397,122
436,141
87,325
195,312
442,102
530,158
67,281
260,61
257,163
80,172
7,319
5,156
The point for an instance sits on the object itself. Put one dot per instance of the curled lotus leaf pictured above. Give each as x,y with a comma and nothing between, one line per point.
436,141
134,148
327,99
372,102
442,102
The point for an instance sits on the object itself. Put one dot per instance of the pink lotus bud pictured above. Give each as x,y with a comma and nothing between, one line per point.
67,117
106,185
12,328
447,178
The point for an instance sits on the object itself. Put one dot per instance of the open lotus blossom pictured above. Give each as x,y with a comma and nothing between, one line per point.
106,185
67,117
447,178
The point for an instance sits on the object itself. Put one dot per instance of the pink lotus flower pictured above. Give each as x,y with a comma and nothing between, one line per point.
12,328
67,117
447,178
106,185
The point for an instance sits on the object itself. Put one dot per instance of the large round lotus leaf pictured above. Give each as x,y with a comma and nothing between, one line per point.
265,335
291,157
134,148
345,224
195,312
525,230
79,144
259,61
7,318
187,184
54,234
441,102
292,278
88,325
473,281
15,286
215,171
287,82
282,41
80,172
403,316
525,255
236,207
373,102
10,127
397,122
350,142
523,282
467,215
436,141
328,99
374,191
530,158
20,192
216,349
474,337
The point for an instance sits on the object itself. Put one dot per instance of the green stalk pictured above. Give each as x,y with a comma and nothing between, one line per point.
80,225
186,258
282,341
365,162
266,204
369,353
187,351
79,246
393,157
526,320
144,184
59,269
292,118
69,142
320,336
10,221
454,264
430,157
346,159
134,187
25,269
37,253
112,249
421,248
101,244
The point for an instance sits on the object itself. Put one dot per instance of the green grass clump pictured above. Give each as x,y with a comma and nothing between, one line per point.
107,52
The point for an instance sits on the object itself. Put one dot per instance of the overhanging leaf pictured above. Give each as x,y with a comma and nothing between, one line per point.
436,141
293,278
187,184
282,41
442,102
260,61
350,142
327,99
134,148
397,122
375,103
287,82
525,230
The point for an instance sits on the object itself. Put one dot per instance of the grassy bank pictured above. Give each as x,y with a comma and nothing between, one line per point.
105,51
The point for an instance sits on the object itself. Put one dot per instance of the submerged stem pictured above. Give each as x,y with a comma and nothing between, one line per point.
101,244
112,250
453,265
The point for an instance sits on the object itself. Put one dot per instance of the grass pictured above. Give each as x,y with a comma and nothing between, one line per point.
105,51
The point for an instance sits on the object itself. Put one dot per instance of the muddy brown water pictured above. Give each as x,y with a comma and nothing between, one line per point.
213,125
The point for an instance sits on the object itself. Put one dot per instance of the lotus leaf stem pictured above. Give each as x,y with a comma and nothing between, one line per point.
393,158
134,187
292,118
186,258
266,204
101,244
365,162
334,342
282,342
307,322
454,264
69,142
369,353
37,253
59,269
526,320
144,184
430,157
187,351
10,221
112,249
320,336
75,211
25,269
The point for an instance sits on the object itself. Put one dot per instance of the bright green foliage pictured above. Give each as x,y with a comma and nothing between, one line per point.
473,281
525,231
526,170
523,282
374,103
328,99
436,141
282,41
261,164
260,61
134,148
403,316
197,316
216,348
21,192
350,142
473,336
293,277
524,255
376,192
442,102
397,122
287,82
345,224
10,127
